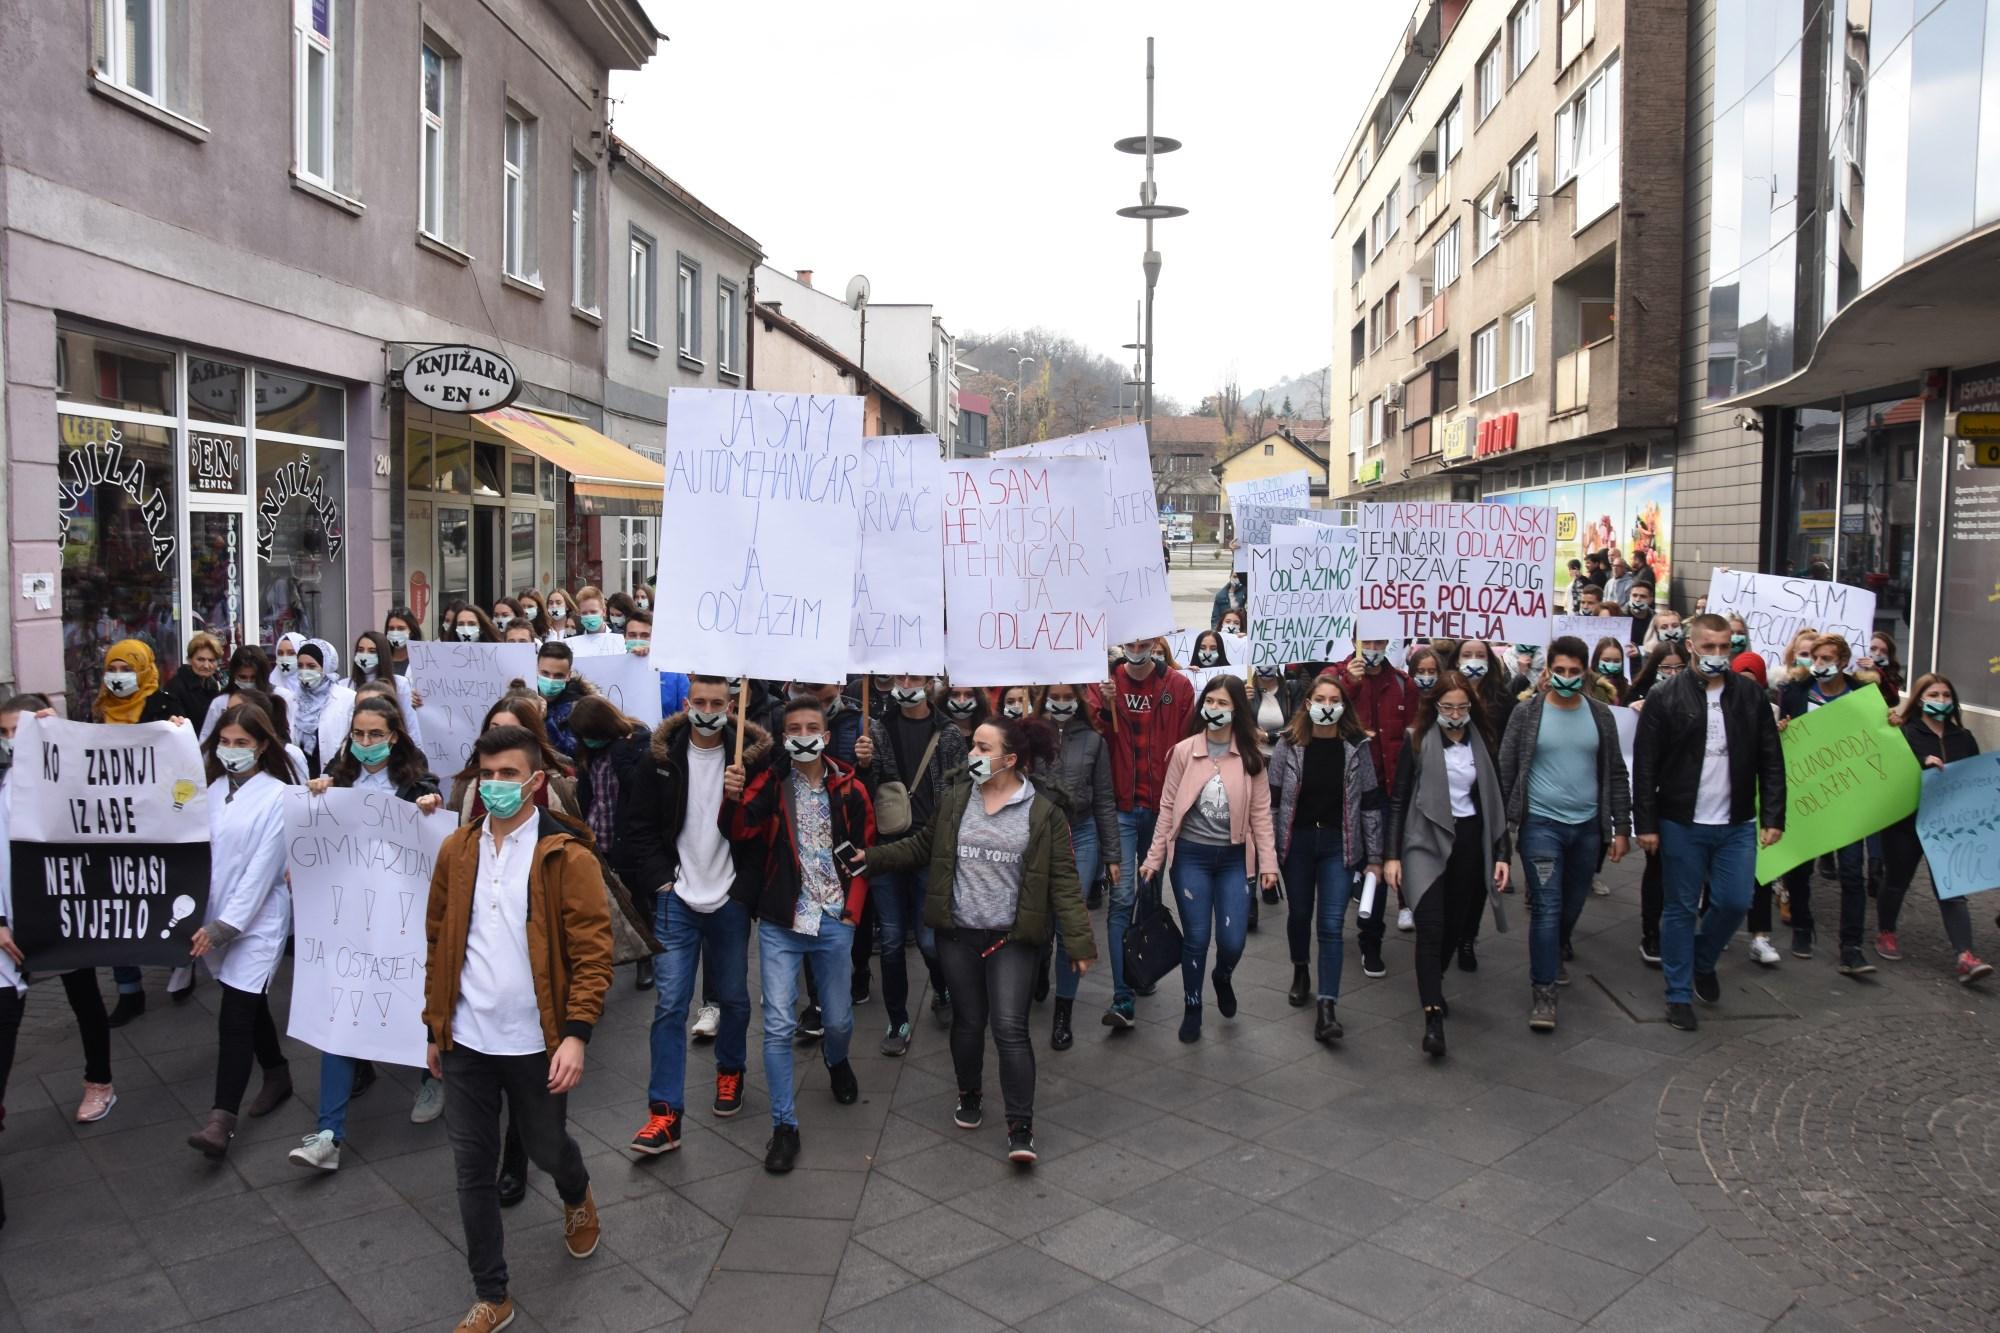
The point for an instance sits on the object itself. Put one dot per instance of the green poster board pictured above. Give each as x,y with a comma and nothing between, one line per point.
1848,773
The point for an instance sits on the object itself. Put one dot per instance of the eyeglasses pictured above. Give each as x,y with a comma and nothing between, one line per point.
372,737
1455,710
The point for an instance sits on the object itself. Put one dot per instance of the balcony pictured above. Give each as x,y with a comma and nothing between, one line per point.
1577,371
1430,321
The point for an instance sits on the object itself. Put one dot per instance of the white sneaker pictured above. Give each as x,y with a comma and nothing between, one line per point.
1762,952
707,1022
1600,888
1406,920
429,1104
318,1151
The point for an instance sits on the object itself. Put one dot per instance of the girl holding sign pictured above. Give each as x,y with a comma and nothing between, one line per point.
249,913
1937,736
1827,677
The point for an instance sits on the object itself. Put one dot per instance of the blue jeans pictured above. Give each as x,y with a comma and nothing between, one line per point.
780,951
1082,841
1215,901
1319,884
685,935
1560,860
336,1090
1725,855
898,897
131,981
1135,836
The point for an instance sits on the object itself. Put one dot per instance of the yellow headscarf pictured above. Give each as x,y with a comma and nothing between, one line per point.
111,708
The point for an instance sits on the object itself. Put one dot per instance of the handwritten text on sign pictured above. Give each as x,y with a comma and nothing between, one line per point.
759,534
1959,822
1456,571
1024,589
459,682
1776,608
1848,773
360,864
1287,490
1302,601
898,623
109,852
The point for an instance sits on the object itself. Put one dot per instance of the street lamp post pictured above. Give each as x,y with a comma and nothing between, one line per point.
1150,209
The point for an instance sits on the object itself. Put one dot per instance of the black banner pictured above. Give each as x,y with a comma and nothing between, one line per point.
103,904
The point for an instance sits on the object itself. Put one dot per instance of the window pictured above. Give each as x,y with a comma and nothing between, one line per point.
728,327
1524,181
315,93
438,215
1486,83
1270,451
641,294
1357,431
132,50
1521,343
1486,222
1358,264
1357,349
1485,360
1391,301
1587,143
1451,132
518,192
1394,206
583,236
1378,422
1375,325
1444,260
1378,231
1524,35
687,307
1596,320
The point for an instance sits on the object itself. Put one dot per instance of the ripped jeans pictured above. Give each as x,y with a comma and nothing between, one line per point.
1560,860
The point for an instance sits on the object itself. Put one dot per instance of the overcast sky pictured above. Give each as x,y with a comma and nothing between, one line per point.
961,154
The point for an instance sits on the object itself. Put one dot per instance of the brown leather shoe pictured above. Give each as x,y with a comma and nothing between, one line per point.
277,1090
212,1139
488,1316
580,1228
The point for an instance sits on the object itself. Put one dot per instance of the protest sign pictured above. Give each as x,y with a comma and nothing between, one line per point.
360,864
1456,571
629,681
760,534
898,624
1848,773
1775,608
1287,490
1302,601
1308,533
1023,579
109,843
459,682
1591,628
1627,722
1255,524
1959,823
606,644
1135,575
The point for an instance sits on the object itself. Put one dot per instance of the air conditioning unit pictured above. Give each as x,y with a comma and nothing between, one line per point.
1427,164
1392,397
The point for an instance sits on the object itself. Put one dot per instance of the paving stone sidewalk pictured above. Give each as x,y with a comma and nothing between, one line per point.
1821,1155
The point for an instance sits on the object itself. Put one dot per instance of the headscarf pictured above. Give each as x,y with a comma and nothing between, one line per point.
312,700
111,708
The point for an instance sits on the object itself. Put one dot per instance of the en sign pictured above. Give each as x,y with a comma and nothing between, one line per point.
460,379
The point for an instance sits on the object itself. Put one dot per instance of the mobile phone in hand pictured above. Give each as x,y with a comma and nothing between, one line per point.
845,853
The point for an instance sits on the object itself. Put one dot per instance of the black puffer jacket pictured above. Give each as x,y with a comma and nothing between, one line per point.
652,807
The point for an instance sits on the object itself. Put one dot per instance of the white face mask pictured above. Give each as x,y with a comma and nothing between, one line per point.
1473,669
1424,679
805,748
289,666
123,684
311,676
466,633
1137,657
367,661
1217,718
236,758
399,638
502,622
643,603
1208,657
980,766
1060,709
1452,723
961,707
707,723
558,612
906,696
1325,715
1013,710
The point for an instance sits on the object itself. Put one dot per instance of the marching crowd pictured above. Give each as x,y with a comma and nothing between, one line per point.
834,824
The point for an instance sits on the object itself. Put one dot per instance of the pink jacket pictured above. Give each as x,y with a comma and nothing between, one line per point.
1188,771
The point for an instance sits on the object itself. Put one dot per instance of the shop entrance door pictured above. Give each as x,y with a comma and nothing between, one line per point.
489,548
220,577
454,536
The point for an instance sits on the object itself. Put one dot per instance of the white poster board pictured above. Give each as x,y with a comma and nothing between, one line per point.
1627,722
1456,571
1287,490
760,534
606,644
898,621
1135,574
1303,599
1776,607
628,681
360,864
459,682
1023,578
1591,628
1256,525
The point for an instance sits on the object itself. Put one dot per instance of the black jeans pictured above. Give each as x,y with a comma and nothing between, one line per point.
1902,853
478,1083
1653,897
991,989
1851,863
1452,907
244,1027
93,1024
10,1028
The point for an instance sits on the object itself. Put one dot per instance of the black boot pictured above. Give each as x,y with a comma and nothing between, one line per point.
642,974
1328,1027
512,1183
1433,1032
130,1005
1302,986
1042,980
1060,1036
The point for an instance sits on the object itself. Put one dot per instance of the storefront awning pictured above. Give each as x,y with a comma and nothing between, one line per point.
599,467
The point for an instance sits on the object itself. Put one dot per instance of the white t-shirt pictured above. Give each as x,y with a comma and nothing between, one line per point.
706,869
1711,798
497,1012
1461,770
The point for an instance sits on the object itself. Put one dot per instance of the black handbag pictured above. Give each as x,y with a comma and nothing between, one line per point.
1153,943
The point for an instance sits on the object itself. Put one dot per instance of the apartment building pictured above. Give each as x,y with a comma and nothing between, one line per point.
1508,252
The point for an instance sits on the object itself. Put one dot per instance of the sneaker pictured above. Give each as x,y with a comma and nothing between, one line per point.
708,1021
1853,962
488,1316
581,1229
1761,951
896,1042
728,1093
1887,948
812,1024
1562,974
1190,1023
1970,969
782,1152
429,1104
1681,1017
968,1115
1801,943
1371,963
846,1087
1120,1015
1649,950
1468,961
941,1008
1542,1010
859,991
1021,1142
1600,888
1406,920
98,1099
660,1134
318,1152
1707,987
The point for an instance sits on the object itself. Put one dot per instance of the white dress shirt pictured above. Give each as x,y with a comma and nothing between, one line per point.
497,1011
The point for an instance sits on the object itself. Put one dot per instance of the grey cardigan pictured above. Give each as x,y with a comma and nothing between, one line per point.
1517,763
1421,825
1362,800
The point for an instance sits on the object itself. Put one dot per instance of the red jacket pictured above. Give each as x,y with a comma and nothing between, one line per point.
764,817
1147,718
1385,704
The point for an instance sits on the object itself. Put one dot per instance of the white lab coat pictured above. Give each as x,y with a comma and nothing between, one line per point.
338,717
246,879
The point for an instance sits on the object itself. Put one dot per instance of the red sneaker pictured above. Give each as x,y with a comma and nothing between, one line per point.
1886,948
1970,969
661,1133
728,1093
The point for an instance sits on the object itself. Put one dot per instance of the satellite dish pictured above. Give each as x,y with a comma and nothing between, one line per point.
857,292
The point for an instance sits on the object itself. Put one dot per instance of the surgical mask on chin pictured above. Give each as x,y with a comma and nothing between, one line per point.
1932,708
1425,679
1325,715
399,638
503,800
707,723
905,696
1824,670
367,661
1060,709
123,684
1217,718
1713,664
1474,669
804,749
1567,686
980,766
466,633
310,677
236,758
